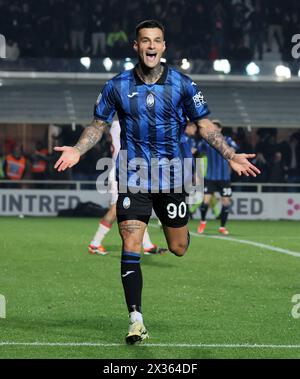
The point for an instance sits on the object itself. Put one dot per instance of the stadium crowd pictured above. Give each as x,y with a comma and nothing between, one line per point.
278,161
200,29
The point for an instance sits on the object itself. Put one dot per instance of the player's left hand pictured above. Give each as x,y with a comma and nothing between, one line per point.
240,164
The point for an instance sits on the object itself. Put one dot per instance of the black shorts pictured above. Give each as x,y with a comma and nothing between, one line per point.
170,208
221,186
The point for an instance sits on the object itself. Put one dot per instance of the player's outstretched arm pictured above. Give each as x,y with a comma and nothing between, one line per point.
238,162
71,154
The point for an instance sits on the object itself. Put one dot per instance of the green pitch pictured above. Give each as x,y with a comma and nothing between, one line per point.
222,295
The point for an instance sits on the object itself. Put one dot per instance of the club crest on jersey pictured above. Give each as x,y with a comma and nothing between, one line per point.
199,99
126,203
150,100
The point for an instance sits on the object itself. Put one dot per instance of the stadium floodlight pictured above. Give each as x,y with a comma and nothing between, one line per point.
86,62
252,69
283,72
185,64
299,73
163,60
107,63
128,65
222,65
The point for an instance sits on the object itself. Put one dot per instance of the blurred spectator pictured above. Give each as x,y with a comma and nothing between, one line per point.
116,9
12,50
135,14
242,141
291,26
275,17
218,30
201,29
60,25
2,160
39,161
9,145
294,167
240,55
98,30
270,147
256,22
77,30
285,150
239,14
159,11
175,22
277,169
117,41
273,156
261,163
261,159
15,164
243,146
200,41
44,40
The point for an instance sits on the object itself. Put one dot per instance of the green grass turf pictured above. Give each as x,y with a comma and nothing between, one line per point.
221,292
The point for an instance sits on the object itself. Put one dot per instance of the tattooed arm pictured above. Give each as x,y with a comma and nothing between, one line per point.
238,162
215,138
71,155
90,136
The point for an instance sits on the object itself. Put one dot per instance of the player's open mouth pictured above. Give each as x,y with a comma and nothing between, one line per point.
151,56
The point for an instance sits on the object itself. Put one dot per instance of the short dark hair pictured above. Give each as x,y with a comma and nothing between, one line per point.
218,123
149,24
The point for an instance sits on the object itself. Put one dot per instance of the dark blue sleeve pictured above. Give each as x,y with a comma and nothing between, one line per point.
202,147
194,103
232,143
105,107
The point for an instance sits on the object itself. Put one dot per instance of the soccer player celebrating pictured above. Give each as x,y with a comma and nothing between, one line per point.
217,179
153,102
105,224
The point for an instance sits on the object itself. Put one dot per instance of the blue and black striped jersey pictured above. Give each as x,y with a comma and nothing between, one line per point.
152,116
217,166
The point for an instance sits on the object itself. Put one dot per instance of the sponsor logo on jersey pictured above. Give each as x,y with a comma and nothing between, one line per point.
199,99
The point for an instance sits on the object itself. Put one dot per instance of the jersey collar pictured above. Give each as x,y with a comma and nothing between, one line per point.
160,81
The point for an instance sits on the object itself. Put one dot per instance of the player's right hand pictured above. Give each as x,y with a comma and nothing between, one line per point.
70,156
240,164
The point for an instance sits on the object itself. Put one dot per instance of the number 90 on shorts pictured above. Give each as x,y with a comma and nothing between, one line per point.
171,209
174,210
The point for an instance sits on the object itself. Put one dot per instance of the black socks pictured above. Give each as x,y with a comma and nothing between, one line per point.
203,209
224,215
132,280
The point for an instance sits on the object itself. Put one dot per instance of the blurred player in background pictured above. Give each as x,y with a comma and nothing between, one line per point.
189,146
153,102
105,224
217,179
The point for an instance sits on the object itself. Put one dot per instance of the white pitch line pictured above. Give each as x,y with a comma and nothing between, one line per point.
246,242
167,345
253,243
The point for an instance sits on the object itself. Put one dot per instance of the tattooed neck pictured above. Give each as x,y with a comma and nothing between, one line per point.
149,75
